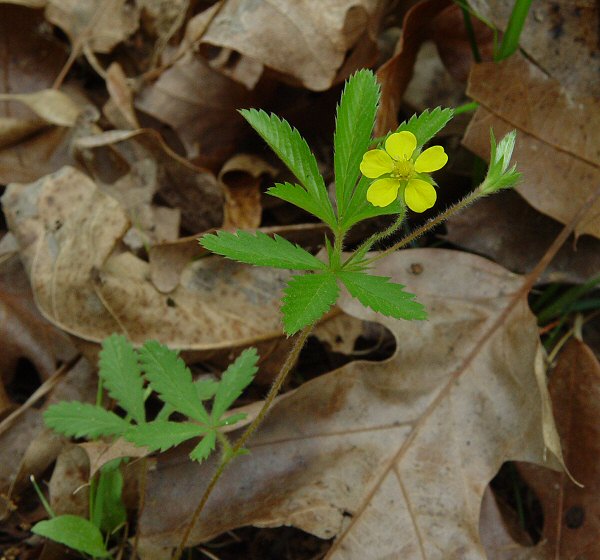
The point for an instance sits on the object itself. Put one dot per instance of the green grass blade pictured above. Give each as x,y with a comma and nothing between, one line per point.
512,35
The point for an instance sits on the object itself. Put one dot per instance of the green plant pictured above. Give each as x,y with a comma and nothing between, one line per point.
372,178
129,377
514,28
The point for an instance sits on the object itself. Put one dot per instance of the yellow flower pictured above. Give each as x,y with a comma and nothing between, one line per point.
395,168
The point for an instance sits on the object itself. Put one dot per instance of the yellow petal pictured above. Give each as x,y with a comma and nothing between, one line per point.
383,192
419,195
401,145
376,163
431,159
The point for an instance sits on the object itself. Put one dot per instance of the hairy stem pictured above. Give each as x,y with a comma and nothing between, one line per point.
239,444
430,224
376,237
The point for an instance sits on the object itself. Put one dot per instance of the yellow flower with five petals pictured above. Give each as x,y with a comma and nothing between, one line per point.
396,168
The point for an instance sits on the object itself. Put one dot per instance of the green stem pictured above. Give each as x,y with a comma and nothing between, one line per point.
376,237
471,33
239,444
430,224
466,108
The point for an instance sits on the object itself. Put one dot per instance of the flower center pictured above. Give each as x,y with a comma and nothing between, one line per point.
403,169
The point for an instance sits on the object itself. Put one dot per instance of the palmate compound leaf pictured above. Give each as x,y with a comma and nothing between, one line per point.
293,150
161,435
260,250
172,380
75,532
122,375
234,380
426,125
383,296
306,299
77,419
354,125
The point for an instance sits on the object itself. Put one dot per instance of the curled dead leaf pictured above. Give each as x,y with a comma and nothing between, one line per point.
391,457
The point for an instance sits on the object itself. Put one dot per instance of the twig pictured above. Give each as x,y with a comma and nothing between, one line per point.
239,444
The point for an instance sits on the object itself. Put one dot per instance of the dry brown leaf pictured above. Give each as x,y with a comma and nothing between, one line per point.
241,178
168,260
200,104
30,60
69,233
395,75
101,25
30,448
192,190
119,108
69,483
453,42
101,452
561,36
558,148
507,230
571,513
303,40
391,457
53,106
23,331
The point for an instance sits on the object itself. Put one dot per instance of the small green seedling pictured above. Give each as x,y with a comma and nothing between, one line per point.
129,376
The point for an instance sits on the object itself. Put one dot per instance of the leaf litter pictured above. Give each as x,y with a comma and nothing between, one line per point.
122,153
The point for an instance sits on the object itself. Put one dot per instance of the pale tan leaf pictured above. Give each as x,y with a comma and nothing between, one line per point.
562,37
513,234
54,106
241,177
70,232
558,146
571,519
390,457
304,40
100,24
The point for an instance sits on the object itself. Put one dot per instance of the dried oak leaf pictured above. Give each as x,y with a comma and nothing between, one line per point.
305,41
562,37
507,230
392,458
558,148
571,512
